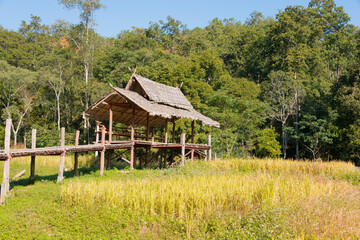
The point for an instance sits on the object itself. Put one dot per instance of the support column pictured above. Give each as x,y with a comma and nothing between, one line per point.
182,142
62,157
209,143
147,139
76,155
109,156
110,123
102,153
32,165
5,186
132,139
192,139
97,140
166,131
173,140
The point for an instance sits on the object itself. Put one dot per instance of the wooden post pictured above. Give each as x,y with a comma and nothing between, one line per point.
165,157
153,136
182,142
132,139
109,155
110,123
166,131
62,157
76,155
209,143
173,140
97,140
147,127
32,165
102,153
5,186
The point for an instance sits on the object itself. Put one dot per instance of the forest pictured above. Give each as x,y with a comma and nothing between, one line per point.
281,86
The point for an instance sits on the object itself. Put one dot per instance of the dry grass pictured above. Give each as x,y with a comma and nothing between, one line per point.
314,205
53,161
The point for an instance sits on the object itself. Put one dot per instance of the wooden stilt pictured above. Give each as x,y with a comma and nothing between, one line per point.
5,186
182,142
209,143
110,123
32,165
165,157
76,155
62,157
109,156
102,153
132,139
192,138
97,140
173,140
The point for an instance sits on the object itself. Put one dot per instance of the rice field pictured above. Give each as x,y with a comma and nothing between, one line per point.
284,198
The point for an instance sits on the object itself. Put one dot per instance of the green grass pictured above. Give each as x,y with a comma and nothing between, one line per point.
229,199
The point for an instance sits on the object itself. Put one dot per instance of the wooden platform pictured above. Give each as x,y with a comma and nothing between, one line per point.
97,147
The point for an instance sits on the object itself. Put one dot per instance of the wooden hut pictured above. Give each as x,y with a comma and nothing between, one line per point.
149,104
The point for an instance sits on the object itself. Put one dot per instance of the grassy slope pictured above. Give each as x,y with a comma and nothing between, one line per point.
48,210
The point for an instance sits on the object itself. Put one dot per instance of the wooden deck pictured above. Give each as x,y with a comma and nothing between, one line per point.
97,147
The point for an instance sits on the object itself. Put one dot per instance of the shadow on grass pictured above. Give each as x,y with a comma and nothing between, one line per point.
92,170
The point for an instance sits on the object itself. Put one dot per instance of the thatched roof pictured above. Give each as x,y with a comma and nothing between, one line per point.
159,93
168,103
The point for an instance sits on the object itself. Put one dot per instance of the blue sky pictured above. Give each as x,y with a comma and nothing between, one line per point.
122,15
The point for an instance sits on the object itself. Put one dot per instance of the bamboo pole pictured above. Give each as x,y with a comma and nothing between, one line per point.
32,165
76,155
62,156
5,186
182,142
102,153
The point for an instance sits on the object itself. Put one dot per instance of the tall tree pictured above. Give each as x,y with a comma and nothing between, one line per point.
85,10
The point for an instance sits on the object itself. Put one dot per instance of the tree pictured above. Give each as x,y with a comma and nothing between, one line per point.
17,92
281,93
315,133
85,9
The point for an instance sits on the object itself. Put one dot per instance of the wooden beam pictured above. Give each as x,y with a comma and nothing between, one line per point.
182,142
62,156
32,164
132,139
110,123
5,186
102,153
76,156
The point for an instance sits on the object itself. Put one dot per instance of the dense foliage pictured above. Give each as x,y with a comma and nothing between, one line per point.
285,85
